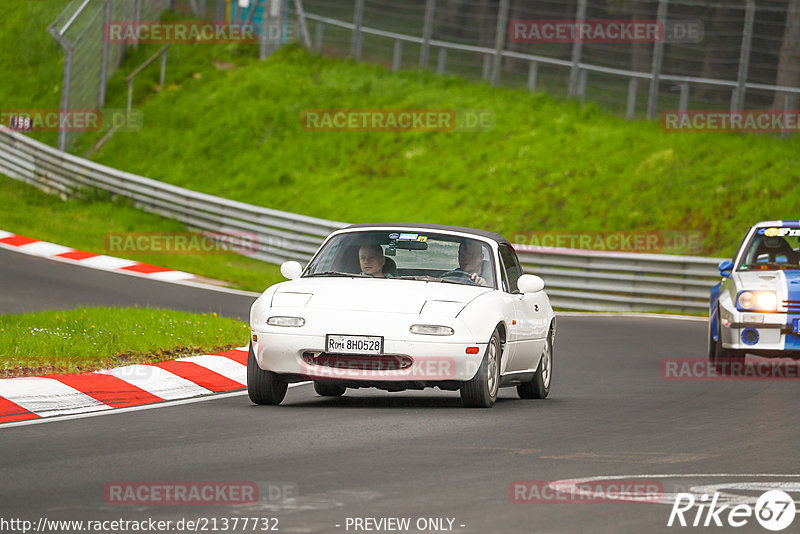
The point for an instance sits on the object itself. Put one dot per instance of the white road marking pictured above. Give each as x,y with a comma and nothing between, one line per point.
43,248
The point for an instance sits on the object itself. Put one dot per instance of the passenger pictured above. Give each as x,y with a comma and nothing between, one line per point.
372,260
470,263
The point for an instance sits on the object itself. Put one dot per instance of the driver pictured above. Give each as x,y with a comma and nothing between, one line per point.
470,262
372,260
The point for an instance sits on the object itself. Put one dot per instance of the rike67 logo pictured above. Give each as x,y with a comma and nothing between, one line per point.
774,510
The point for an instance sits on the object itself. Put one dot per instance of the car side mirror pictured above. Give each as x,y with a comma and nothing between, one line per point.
725,267
291,269
530,283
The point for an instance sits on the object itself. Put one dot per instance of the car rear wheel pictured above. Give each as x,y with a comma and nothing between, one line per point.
329,390
539,387
263,387
724,360
481,391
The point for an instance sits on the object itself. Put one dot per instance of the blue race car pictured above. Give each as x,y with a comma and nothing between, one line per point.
756,307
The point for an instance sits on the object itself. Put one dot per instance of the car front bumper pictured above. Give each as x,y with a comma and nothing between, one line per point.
760,332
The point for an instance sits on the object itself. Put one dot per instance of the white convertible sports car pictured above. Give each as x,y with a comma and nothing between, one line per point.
756,308
404,306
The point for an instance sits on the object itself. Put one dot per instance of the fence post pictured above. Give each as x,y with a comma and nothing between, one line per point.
577,50
582,79
441,61
137,17
355,43
499,41
487,66
658,56
630,108
163,76
397,56
427,31
301,22
104,57
737,99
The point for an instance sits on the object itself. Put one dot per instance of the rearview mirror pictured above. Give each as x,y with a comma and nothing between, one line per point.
530,283
291,269
725,267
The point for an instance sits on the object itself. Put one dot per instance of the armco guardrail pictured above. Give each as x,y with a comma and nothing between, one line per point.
576,279
620,281
278,235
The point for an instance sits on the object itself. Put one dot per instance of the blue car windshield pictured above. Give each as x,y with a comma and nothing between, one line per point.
772,248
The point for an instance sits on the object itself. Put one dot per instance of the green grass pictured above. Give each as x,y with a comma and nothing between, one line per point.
547,165
86,339
84,224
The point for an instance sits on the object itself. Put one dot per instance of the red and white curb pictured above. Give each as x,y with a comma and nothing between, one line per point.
28,398
52,251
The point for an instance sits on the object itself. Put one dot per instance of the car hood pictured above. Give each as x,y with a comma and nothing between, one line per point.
774,280
373,295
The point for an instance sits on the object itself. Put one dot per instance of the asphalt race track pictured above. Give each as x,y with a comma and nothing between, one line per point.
416,455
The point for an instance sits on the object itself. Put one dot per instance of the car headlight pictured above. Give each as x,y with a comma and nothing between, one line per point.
757,300
280,320
431,330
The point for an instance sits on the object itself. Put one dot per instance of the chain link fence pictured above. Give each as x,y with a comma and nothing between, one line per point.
737,54
89,59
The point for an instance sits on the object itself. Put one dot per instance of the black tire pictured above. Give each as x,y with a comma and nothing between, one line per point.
263,387
481,391
724,360
539,387
329,390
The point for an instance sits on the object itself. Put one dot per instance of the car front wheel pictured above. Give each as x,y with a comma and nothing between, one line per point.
481,391
263,387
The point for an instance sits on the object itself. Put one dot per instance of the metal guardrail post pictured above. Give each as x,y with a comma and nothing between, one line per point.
499,40
355,43
658,57
441,61
427,31
684,101
533,71
397,55
577,51
630,107
318,30
738,96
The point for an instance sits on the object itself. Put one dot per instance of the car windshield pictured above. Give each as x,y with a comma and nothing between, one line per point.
403,254
772,248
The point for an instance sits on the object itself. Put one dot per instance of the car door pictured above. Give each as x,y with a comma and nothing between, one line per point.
528,329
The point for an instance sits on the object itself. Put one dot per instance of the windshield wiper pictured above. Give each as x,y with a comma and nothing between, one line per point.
333,273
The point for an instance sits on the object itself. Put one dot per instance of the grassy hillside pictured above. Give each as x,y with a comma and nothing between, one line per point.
546,165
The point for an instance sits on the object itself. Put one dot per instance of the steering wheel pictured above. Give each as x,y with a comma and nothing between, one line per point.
459,274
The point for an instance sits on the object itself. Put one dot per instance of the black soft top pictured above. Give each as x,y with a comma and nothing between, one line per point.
483,233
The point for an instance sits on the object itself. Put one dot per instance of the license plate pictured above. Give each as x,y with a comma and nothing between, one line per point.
344,344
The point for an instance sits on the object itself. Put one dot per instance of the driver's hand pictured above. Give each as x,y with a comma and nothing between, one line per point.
477,279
